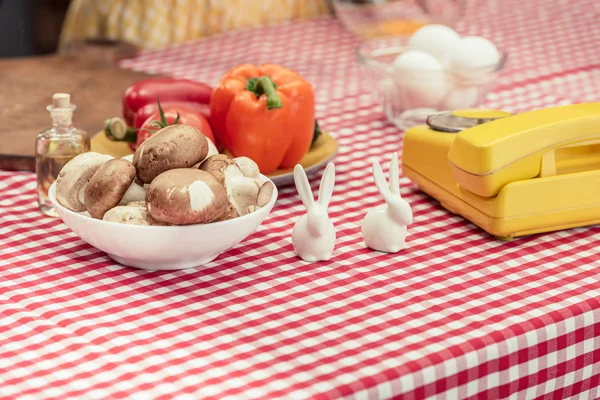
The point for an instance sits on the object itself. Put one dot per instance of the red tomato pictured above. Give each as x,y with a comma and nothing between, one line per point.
150,109
186,117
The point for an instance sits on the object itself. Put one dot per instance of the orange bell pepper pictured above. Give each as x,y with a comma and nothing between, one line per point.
266,113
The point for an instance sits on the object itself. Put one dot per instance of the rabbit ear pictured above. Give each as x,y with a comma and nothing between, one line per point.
327,183
394,178
303,187
380,181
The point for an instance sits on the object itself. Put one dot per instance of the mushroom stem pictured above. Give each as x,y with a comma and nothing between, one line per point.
244,192
134,193
81,193
265,193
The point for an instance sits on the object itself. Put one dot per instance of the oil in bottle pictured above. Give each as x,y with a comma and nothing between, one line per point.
56,146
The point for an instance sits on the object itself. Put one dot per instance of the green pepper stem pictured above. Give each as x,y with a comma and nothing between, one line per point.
265,85
116,130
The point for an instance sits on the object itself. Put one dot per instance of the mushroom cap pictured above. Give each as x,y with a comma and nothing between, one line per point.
74,176
132,215
175,146
107,186
186,196
220,166
212,150
248,167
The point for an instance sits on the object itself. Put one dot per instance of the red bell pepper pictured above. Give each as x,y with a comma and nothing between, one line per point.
170,90
266,113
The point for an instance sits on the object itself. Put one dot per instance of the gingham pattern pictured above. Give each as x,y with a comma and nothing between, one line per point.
457,315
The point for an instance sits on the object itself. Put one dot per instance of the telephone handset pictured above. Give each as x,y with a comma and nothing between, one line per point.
488,156
511,174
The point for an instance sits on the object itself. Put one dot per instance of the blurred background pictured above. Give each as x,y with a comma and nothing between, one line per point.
36,27
30,27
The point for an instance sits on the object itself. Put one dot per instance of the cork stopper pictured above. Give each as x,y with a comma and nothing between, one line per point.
61,110
61,100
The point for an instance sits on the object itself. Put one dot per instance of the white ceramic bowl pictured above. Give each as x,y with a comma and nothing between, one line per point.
162,247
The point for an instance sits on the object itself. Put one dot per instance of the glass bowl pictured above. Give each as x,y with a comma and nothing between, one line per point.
369,19
408,97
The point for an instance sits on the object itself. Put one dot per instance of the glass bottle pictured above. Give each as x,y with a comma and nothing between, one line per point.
54,147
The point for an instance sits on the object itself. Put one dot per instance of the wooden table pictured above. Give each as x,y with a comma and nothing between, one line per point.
457,315
95,83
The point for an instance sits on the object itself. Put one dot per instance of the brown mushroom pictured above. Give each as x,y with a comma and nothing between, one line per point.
186,196
244,192
265,193
132,215
212,150
241,191
175,146
248,167
251,209
107,186
136,192
220,166
73,179
137,204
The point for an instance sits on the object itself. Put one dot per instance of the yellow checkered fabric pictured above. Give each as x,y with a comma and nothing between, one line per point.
157,23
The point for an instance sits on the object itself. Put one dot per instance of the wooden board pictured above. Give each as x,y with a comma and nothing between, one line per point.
27,86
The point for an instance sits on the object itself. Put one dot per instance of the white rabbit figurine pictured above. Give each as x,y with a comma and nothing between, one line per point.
384,227
313,236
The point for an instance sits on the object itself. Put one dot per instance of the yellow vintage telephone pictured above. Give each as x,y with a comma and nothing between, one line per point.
511,175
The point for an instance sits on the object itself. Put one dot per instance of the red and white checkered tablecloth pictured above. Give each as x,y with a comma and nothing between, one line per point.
457,315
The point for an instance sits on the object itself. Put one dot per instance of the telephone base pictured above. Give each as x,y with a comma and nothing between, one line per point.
504,238
508,228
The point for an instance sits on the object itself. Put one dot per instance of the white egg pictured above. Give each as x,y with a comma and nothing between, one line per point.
472,59
420,78
460,98
434,39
